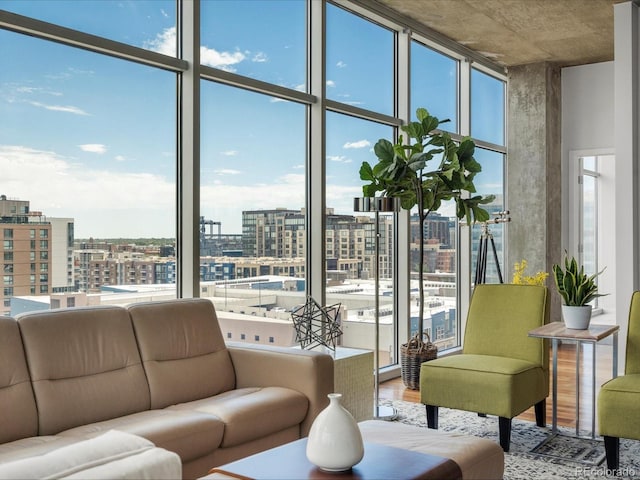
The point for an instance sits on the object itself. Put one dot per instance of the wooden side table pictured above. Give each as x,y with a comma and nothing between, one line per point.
556,331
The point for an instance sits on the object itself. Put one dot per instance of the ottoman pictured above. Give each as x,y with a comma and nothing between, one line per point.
478,458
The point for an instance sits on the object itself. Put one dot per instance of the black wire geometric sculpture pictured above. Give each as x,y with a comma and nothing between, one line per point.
316,325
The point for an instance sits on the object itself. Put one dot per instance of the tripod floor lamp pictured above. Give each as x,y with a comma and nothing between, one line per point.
485,238
377,205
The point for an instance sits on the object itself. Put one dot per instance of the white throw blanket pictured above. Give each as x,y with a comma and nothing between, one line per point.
111,455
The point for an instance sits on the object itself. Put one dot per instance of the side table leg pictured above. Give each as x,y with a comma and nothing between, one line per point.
554,388
578,345
593,392
615,355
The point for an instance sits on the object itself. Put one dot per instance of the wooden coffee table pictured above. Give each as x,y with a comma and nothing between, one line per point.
289,462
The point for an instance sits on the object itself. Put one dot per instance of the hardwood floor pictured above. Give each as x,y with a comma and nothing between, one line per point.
395,389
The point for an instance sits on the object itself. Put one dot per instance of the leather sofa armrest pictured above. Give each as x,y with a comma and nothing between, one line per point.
308,372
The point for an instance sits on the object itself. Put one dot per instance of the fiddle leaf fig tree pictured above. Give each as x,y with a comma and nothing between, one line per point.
428,169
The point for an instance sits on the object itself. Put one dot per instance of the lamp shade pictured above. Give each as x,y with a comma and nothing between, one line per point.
375,204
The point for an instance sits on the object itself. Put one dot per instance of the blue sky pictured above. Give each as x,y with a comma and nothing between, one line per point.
92,137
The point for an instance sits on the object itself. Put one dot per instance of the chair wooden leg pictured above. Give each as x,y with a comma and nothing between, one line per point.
612,450
432,416
541,413
504,427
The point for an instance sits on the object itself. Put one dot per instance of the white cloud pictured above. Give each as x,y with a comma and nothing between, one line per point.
341,64
293,179
338,158
229,153
358,144
260,57
24,89
298,167
119,158
164,13
227,171
103,203
331,83
93,148
165,43
222,60
60,108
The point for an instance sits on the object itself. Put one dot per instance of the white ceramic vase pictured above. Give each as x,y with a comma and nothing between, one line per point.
576,318
335,442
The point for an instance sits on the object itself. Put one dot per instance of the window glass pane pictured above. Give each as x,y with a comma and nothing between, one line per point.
91,144
149,24
589,224
490,181
350,239
265,39
487,108
359,68
252,194
589,163
434,84
440,275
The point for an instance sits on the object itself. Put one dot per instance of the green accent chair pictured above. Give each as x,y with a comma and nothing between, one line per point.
501,370
619,398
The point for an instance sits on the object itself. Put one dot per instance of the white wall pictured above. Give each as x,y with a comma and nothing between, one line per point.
588,129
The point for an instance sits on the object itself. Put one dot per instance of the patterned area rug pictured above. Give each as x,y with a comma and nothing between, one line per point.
565,457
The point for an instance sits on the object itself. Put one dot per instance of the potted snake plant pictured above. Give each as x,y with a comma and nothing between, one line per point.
423,170
577,289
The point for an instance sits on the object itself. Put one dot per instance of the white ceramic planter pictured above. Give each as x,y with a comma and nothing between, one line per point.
335,442
576,318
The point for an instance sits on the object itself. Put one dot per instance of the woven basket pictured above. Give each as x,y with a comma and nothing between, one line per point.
413,354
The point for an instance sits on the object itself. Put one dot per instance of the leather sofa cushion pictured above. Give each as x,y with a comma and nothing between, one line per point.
252,413
17,403
182,349
189,434
84,365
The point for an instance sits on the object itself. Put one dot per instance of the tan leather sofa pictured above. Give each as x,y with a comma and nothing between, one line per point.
160,370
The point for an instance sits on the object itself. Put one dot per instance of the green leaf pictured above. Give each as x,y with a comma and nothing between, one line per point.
384,150
421,114
366,172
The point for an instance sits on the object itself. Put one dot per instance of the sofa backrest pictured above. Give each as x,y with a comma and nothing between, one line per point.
84,364
182,349
18,415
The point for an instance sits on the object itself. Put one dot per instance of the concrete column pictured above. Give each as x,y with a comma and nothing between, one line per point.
533,173
627,125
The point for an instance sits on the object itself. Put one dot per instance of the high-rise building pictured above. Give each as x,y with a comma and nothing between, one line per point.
271,233
27,246
62,238
350,240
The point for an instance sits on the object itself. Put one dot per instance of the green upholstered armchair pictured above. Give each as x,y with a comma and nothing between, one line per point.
501,370
619,398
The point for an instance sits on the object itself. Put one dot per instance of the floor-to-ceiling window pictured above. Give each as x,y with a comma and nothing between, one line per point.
86,148
353,80
488,129
435,86
93,134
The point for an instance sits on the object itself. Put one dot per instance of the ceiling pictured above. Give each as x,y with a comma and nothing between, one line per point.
519,32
